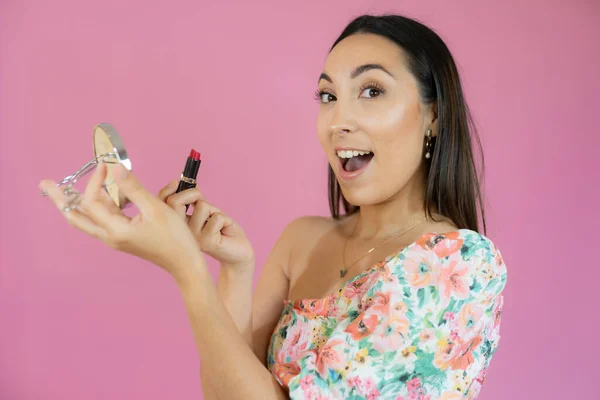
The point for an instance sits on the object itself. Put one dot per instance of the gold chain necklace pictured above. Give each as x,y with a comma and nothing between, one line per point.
344,271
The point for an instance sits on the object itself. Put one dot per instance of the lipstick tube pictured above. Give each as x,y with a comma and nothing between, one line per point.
189,174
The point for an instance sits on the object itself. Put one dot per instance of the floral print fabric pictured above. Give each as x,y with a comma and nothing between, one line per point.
422,324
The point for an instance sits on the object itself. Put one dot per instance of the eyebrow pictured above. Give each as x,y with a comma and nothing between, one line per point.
359,70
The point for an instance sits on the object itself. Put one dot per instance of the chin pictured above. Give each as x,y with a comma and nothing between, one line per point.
366,195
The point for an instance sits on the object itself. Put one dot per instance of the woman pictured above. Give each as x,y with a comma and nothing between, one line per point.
398,296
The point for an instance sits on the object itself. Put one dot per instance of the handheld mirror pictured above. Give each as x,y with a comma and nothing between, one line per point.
108,149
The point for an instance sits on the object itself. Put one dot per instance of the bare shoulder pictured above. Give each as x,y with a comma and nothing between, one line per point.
303,233
308,225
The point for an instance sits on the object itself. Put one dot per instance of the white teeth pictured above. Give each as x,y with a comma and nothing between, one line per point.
351,153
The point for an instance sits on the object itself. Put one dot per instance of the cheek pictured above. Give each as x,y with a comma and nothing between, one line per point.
395,128
397,139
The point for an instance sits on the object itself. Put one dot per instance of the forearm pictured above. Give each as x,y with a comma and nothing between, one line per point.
235,290
227,359
234,287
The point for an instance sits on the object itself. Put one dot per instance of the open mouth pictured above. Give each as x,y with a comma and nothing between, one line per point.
354,160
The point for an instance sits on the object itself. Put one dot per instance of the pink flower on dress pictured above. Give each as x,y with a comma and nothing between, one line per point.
454,353
421,268
370,389
497,310
330,357
285,371
442,245
388,277
470,321
427,335
362,326
413,385
454,281
388,341
415,390
381,304
315,307
358,288
297,340
354,382
306,382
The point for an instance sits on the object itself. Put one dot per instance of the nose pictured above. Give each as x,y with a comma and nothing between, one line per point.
341,121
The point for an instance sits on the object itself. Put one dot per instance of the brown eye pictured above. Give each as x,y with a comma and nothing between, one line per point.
371,92
324,97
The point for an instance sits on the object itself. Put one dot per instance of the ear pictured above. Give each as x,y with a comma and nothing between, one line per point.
433,119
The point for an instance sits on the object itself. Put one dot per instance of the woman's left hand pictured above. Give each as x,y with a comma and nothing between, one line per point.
156,234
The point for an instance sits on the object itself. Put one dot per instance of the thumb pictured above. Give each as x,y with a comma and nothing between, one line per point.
131,188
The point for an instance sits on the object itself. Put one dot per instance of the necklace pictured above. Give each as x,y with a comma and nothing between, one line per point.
344,271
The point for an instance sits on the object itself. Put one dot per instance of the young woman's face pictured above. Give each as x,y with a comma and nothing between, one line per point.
371,122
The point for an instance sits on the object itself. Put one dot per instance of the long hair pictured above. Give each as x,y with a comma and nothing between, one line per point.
452,186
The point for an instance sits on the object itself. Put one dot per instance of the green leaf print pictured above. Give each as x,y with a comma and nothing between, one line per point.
475,287
397,370
352,314
374,353
433,292
424,366
405,377
391,387
464,251
422,294
356,397
389,356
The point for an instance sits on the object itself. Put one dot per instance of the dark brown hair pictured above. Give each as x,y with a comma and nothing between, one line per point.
452,186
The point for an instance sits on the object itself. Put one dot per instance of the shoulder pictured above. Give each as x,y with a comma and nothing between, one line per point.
474,253
308,227
302,234
464,243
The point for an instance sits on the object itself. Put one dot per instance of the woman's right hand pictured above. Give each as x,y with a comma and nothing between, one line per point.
217,234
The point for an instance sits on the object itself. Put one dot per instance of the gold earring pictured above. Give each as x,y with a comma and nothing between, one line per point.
428,145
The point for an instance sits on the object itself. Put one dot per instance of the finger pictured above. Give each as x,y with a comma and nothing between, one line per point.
213,227
202,211
179,200
108,202
73,217
57,194
96,189
132,188
84,224
96,209
168,190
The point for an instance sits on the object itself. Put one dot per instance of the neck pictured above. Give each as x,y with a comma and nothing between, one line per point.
400,212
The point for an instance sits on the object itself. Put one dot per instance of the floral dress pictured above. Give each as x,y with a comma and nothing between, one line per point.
422,324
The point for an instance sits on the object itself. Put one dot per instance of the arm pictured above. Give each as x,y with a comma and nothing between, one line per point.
235,290
230,364
254,316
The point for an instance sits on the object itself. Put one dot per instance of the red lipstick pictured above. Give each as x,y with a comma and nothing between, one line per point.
190,172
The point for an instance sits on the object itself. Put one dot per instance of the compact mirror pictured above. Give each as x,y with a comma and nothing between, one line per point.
109,149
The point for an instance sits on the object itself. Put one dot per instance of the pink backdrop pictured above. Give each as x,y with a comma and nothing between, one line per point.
235,80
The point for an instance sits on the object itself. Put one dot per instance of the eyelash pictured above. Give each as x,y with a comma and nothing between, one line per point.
318,95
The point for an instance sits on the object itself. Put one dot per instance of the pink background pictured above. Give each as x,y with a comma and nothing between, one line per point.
235,80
